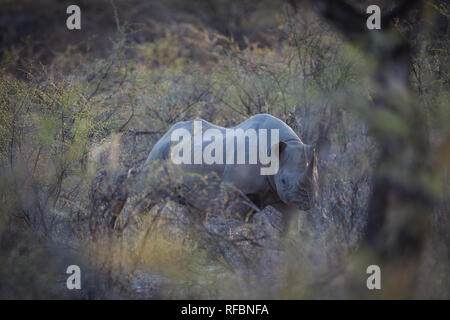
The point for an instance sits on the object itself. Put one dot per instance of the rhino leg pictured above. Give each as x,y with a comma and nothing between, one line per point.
288,214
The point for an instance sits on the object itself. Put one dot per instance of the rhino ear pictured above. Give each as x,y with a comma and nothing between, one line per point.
281,146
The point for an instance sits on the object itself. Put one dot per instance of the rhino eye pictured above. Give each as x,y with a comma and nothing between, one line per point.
283,181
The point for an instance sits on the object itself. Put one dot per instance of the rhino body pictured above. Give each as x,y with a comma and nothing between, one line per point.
293,186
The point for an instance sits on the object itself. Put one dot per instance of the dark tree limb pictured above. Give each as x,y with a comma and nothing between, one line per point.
343,16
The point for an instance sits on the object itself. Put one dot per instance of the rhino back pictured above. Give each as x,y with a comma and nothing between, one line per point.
161,150
267,121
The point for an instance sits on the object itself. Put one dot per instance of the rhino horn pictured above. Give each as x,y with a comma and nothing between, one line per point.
311,164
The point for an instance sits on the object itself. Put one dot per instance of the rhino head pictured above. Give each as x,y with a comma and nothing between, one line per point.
297,178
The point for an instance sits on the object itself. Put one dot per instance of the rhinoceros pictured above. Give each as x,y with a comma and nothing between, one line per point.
292,186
